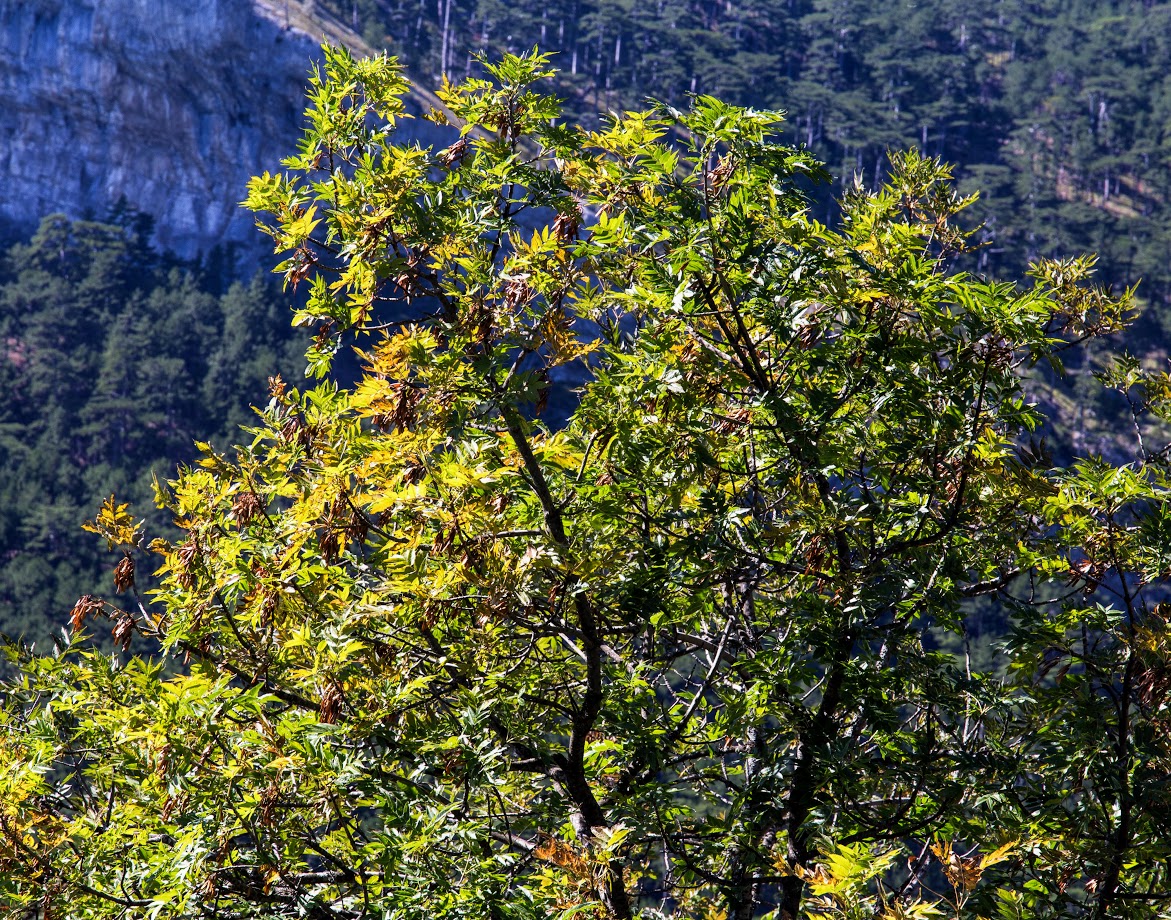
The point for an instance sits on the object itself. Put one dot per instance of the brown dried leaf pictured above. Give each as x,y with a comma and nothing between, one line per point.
187,557
124,574
454,154
87,606
246,507
123,631
552,850
565,226
963,872
330,706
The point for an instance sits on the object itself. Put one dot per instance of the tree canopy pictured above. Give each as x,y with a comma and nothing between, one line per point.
426,655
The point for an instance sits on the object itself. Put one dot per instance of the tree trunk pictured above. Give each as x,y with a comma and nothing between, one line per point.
445,42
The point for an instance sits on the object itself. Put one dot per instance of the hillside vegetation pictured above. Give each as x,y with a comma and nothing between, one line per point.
114,361
1058,112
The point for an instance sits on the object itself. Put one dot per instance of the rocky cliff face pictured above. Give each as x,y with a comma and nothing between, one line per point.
171,104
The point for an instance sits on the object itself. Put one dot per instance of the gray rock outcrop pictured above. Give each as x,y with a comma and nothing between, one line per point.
169,104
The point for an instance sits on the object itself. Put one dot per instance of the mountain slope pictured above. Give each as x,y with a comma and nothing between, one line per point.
169,105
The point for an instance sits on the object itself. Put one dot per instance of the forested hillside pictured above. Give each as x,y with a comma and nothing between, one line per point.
1058,112
114,361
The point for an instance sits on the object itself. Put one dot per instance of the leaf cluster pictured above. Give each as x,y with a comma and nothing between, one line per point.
426,654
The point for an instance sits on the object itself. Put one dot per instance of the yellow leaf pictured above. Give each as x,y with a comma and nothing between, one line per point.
998,855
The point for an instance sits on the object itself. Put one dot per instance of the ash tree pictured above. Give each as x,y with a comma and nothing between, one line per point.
420,653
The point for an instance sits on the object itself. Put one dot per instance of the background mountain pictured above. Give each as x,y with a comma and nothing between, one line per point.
140,121
167,105
1058,112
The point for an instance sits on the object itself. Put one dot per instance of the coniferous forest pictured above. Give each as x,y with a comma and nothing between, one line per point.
1057,114
117,359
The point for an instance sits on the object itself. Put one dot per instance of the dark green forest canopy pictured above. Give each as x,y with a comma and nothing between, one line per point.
1057,111
114,361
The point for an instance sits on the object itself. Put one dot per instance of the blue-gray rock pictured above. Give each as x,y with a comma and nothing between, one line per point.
169,104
